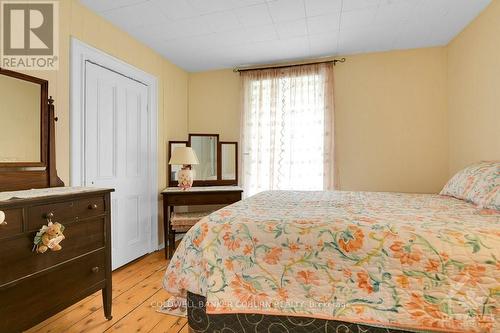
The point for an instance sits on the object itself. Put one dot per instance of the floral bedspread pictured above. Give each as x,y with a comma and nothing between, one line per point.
418,262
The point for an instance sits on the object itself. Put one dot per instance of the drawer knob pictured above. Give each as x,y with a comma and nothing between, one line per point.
93,206
95,269
49,216
2,218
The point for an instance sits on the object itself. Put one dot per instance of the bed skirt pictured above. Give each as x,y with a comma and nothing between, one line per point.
200,322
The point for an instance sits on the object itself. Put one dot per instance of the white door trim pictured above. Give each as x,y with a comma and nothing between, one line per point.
80,54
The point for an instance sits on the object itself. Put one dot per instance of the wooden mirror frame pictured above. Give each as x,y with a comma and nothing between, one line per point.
219,181
27,175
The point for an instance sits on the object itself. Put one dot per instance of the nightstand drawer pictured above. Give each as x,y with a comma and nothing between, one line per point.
200,198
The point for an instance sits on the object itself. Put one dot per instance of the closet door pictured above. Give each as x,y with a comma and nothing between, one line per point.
116,156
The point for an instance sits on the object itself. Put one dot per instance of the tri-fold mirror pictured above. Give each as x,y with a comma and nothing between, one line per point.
218,160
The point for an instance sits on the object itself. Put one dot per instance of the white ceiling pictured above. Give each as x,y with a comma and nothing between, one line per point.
201,35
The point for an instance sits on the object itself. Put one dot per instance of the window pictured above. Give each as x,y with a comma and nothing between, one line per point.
287,129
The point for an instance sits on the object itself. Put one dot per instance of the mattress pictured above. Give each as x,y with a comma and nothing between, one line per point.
408,261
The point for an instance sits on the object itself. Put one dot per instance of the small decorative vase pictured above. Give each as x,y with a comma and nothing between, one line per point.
185,178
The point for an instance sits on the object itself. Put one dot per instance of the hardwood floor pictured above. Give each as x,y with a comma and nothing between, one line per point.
137,291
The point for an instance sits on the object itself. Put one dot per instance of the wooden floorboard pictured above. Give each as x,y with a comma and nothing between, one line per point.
137,293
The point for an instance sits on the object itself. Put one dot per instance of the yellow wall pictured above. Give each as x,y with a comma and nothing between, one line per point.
391,122
214,104
474,91
390,113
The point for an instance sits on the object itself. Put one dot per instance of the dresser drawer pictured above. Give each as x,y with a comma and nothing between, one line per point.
65,211
58,212
89,207
35,295
14,223
18,259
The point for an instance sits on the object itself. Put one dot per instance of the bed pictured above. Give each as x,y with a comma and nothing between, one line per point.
348,261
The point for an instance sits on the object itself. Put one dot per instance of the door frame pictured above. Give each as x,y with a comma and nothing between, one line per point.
80,53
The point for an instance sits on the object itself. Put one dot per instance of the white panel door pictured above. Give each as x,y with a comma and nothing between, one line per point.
117,156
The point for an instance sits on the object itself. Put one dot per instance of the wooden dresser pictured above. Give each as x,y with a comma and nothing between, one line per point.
35,286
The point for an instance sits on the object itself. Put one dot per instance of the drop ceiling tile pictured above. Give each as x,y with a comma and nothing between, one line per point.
263,33
246,3
188,27
155,33
221,21
349,5
322,7
294,47
432,8
287,10
203,44
323,44
357,18
231,38
127,17
289,29
395,12
323,23
251,16
176,10
210,6
367,39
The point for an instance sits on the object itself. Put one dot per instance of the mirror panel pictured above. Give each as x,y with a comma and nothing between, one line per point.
218,160
229,153
205,147
20,119
174,168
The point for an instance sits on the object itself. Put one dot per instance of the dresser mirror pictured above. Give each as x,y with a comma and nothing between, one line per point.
27,141
205,148
229,162
21,112
218,160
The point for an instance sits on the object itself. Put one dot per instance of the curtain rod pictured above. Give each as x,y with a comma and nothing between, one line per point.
334,61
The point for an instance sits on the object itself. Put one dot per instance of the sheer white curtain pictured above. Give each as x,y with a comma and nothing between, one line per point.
287,129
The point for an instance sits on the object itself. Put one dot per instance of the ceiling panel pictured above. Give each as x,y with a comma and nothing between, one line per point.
290,29
202,35
286,10
254,15
323,23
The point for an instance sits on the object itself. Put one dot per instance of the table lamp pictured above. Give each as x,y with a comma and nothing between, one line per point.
186,157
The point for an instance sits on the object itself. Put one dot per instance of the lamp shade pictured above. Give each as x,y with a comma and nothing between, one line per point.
183,155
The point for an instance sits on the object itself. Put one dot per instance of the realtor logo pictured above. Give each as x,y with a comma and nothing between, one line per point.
29,36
